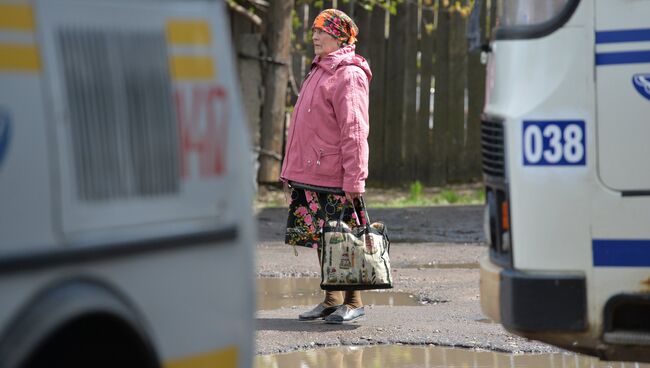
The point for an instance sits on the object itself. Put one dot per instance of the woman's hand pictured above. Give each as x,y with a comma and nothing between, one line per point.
287,192
352,195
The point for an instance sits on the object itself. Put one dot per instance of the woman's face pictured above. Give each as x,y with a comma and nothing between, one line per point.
324,43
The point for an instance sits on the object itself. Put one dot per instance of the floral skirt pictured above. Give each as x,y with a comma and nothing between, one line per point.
309,211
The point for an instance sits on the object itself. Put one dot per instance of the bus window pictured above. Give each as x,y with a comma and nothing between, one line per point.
531,18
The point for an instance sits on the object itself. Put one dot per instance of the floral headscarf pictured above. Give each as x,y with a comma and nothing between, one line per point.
338,24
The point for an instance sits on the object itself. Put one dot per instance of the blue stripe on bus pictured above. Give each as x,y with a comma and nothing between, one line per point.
621,253
628,35
624,57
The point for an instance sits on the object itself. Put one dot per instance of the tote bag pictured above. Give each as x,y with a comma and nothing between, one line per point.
355,258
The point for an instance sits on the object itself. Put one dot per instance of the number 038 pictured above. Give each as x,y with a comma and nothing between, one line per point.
554,143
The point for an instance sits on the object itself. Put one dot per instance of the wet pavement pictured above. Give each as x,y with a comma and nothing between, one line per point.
274,293
441,278
432,317
427,357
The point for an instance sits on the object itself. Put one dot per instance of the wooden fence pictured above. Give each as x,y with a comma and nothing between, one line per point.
427,91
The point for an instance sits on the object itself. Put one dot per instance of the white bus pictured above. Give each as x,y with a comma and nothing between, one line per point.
566,160
126,228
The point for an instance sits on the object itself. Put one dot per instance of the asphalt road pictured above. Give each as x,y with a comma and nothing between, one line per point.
444,224
434,256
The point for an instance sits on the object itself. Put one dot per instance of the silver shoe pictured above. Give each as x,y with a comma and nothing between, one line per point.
319,311
344,314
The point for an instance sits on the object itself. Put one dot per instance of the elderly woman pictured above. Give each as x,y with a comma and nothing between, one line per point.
326,159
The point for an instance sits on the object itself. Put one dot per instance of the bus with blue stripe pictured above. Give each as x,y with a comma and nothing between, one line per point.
566,163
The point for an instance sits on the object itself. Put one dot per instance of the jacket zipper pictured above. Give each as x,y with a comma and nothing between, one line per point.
300,97
311,100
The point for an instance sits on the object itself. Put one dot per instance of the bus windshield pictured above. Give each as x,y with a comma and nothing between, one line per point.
520,13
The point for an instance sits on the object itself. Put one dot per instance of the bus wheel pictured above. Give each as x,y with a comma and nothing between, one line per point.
96,340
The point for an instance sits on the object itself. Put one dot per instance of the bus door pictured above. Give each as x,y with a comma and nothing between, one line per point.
620,232
623,93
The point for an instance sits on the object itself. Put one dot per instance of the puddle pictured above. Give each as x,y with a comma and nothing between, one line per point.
444,265
274,293
428,357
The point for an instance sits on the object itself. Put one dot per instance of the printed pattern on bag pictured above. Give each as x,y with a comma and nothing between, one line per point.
355,258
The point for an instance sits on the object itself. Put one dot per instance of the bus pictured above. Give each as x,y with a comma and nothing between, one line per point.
566,164
126,227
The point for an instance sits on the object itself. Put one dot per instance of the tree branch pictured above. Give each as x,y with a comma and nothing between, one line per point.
254,18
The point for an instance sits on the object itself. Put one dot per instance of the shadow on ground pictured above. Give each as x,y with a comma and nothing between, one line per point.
286,324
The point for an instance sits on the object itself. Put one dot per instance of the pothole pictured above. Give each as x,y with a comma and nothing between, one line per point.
427,357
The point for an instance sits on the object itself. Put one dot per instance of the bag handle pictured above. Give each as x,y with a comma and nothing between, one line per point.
365,220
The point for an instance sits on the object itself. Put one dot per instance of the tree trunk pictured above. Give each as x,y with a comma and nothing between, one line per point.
278,39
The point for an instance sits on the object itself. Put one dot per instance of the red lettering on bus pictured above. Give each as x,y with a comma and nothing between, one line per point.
203,129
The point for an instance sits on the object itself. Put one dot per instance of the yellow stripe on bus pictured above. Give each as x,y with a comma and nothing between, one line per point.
16,57
16,17
223,358
188,32
192,67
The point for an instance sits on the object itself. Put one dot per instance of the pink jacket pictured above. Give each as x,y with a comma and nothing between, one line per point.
328,136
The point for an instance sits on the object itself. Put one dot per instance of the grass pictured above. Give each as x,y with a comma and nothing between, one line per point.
416,195
421,197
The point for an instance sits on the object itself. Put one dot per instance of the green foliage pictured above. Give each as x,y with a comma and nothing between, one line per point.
429,27
443,197
417,196
463,7
390,5
415,191
479,196
449,196
295,20
369,5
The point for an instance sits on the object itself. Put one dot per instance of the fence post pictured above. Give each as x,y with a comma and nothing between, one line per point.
476,92
441,121
424,133
409,121
457,84
376,55
394,151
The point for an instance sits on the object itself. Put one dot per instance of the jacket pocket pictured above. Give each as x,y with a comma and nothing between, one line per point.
327,162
